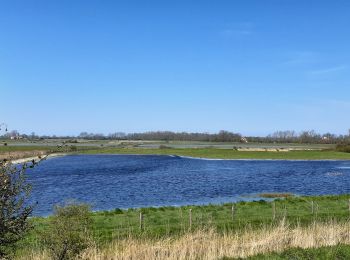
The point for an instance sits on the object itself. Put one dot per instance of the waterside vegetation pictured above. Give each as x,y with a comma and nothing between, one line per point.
214,231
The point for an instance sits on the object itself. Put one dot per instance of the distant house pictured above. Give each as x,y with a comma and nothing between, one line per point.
244,140
16,137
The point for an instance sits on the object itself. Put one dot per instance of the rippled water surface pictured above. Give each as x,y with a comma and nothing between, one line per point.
125,181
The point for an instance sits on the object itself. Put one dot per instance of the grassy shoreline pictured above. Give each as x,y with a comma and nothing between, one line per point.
214,153
317,241
171,220
290,216
286,153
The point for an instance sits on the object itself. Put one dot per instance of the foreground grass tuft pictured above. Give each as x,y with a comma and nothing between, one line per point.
340,251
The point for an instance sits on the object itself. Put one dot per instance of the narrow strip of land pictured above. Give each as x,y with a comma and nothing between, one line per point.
211,150
213,153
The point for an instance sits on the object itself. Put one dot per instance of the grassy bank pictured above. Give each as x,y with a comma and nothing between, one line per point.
281,238
233,230
13,152
230,153
9,148
19,152
174,221
306,152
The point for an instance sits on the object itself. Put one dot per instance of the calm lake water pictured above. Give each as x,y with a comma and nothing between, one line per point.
127,181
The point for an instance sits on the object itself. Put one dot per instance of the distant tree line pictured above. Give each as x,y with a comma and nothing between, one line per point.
222,136
304,137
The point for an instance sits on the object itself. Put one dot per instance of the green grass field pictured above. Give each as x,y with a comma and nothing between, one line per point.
229,153
9,148
173,221
205,150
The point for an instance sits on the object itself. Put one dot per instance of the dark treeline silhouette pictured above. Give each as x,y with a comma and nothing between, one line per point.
222,136
302,137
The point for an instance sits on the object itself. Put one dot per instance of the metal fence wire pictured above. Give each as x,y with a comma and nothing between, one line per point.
158,222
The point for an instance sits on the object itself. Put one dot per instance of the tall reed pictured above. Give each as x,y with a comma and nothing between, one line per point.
209,244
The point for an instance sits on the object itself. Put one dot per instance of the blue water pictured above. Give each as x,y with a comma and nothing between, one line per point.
127,181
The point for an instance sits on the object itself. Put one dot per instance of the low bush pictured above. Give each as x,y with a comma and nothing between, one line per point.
69,231
345,148
162,146
73,148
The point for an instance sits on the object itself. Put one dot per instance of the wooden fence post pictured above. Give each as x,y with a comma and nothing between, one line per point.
273,210
312,207
349,223
141,221
233,211
285,211
190,218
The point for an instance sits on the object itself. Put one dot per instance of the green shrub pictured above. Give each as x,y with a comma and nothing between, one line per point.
69,231
14,209
118,211
345,148
73,148
162,146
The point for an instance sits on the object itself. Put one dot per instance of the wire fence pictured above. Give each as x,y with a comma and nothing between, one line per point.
170,221
228,217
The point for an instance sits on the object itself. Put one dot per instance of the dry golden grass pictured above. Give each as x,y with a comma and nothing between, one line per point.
208,244
14,155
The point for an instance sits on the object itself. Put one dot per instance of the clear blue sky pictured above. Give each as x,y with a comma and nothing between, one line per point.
244,66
